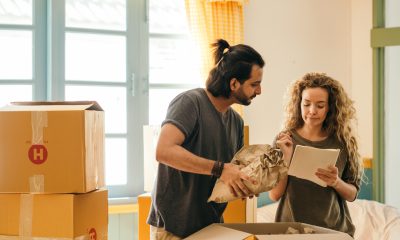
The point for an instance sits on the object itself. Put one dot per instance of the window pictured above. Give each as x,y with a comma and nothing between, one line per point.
17,32
174,65
131,56
385,41
391,107
97,67
173,68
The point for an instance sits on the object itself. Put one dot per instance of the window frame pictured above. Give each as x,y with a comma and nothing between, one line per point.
136,83
49,83
381,37
38,29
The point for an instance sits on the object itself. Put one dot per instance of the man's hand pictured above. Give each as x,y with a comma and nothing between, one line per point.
233,178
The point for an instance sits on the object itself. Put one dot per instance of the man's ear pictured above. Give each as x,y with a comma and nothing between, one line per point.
234,84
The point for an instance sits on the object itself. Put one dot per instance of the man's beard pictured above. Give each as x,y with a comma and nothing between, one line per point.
242,99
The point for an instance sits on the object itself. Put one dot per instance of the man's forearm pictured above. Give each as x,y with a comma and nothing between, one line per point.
178,157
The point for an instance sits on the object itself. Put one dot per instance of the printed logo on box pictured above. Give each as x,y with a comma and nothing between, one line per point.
37,154
92,234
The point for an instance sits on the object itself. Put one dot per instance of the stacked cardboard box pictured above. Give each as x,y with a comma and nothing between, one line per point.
52,171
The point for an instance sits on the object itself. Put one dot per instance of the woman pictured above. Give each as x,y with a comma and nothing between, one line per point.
319,114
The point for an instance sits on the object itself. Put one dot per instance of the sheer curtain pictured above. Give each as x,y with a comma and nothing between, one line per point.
213,19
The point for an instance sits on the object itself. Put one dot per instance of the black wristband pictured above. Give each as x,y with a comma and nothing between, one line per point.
217,169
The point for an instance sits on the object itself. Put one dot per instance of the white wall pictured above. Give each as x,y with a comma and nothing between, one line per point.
361,74
299,36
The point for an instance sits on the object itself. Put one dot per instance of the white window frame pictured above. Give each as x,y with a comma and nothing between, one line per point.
48,77
48,74
136,82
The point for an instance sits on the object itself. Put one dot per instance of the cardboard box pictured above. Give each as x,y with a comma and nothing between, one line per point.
268,231
51,147
54,216
237,211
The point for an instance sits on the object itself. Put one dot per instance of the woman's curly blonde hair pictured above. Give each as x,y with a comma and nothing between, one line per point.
341,114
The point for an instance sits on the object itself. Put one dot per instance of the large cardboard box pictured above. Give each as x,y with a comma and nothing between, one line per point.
51,147
54,216
268,231
237,211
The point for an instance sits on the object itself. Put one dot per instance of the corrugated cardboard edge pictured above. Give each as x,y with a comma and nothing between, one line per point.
229,231
321,236
93,105
4,237
94,153
218,232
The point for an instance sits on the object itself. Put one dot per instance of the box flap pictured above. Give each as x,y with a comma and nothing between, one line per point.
217,232
277,228
319,229
269,231
274,228
317,236
52,106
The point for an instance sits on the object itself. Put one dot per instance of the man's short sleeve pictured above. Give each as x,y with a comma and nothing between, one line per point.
183,113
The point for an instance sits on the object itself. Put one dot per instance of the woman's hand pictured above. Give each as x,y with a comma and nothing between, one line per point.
330,175
285,144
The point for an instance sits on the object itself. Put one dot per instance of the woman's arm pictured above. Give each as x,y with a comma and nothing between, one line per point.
284,142
276,193
346,190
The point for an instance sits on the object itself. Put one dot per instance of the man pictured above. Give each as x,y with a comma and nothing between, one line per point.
199,137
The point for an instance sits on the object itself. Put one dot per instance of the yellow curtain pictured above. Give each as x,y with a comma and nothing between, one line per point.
213,19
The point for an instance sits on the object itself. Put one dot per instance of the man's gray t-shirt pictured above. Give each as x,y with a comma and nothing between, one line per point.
179,199
308,202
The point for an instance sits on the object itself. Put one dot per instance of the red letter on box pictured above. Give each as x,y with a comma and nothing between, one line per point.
37,154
